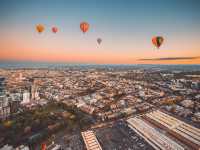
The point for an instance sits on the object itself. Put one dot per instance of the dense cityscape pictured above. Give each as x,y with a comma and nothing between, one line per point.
121,108
100,75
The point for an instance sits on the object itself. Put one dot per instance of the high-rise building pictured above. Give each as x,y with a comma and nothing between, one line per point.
26,98
33,90
4,103
2,86
4,108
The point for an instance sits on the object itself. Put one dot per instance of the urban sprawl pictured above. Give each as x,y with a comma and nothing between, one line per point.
99,109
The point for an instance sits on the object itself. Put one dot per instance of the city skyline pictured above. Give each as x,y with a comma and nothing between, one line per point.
126,29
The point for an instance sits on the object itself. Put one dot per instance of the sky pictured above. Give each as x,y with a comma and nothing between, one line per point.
126,28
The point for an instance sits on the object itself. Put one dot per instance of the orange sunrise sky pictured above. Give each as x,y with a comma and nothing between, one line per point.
126,30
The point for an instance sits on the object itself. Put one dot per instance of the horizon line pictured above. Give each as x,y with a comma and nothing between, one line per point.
81,63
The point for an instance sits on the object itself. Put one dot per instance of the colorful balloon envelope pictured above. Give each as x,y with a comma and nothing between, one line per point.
54,29
157,41
99,40
84,26
40,28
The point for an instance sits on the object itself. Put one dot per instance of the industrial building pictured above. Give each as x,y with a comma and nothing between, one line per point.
179,129
177,134
152,136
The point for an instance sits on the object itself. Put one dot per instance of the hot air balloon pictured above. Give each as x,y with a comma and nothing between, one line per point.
99,40
40,28
84,26
54,29
157,41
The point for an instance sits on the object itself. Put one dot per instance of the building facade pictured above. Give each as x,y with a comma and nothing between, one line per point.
4,102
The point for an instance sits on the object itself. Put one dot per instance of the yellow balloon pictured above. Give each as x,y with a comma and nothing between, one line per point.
40,28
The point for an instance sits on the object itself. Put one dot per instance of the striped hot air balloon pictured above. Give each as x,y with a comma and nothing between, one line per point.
84,26
157,41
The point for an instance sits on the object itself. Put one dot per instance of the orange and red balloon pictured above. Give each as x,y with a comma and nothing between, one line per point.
84,26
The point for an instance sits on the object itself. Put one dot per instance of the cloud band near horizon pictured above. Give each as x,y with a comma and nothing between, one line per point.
169,58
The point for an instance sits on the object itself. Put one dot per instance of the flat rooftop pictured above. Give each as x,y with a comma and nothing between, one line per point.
153,136
184,132
120,137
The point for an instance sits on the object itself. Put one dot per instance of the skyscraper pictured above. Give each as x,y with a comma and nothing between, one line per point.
2,86
4,103
33,90
26,97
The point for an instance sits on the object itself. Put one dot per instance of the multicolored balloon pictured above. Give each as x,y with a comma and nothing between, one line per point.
99,40
157,41
40,28
84,26
54,29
